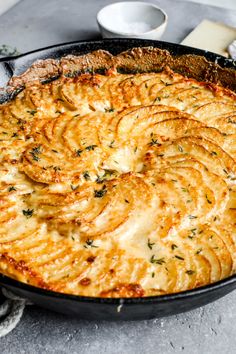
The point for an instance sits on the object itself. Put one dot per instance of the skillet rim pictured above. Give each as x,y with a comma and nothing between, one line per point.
13,64
182,295
141,42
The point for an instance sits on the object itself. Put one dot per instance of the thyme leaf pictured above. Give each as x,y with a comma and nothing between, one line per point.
32,112
101,192
86,176
35,152
159,261
208,200
111,144
179,257
109,110
90,147
11,188
73,187
154,142
90,243
150,245
28,213
192,217
78,152
6,50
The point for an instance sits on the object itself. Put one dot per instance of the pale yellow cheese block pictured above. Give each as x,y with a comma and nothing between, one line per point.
211,36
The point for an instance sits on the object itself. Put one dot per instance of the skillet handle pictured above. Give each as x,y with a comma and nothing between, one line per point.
6,72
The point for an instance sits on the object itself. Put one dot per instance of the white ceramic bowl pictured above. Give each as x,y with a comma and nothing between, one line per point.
132,19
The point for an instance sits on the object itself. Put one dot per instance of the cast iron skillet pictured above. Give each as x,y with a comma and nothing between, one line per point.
98,308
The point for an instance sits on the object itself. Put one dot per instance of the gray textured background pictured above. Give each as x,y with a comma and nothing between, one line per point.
37,23
210,330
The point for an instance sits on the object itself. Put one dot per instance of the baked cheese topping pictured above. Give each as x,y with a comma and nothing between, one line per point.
118,185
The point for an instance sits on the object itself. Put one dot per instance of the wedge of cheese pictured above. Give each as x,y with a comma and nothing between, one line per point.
211,36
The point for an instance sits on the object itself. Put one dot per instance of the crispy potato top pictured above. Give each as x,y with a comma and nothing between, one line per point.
118,185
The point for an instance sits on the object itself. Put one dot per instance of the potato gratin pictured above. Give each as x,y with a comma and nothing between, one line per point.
118,185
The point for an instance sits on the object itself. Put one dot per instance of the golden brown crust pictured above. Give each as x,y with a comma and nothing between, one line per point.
39,71
124,290
96,60
118,185
146,59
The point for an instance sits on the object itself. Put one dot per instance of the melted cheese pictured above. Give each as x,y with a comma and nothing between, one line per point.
118,186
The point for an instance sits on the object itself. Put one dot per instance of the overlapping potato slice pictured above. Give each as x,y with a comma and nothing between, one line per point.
118,185
226,123
203,150
87,93
93,209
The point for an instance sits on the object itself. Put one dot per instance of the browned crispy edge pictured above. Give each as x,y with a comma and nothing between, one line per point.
146,59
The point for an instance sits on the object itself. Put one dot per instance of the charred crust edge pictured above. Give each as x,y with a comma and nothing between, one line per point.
136,60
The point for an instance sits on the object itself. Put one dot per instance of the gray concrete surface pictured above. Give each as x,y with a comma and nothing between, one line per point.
37,23
210,330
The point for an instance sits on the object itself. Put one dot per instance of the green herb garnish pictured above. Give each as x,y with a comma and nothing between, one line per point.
86,176
78,152
100,193
208,200
111,144
109,109
184,190
89,243
159,261
6,50
90,147
28,213
12,188
154,142
192,217
107,173
32,112
179,257
73,187
35,152
150,245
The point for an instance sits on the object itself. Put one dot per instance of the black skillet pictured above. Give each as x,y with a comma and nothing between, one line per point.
98,308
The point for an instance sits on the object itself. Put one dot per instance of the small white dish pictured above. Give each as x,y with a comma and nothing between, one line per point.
132,19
